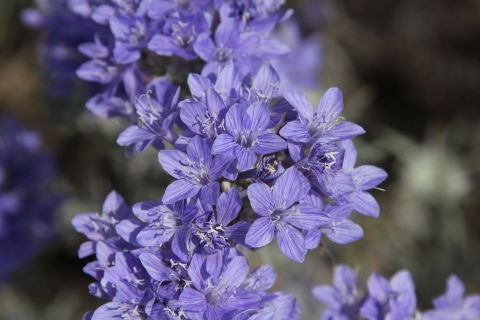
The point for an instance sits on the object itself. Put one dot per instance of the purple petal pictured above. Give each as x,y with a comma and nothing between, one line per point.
342,131
343,232
260,233
224,143
291,242
209,193
246,45
238,232
198,86
155,267
199,152
350,156
246,157
453,295
194,301
236,271
295,131
205,48
114,207
173,162
312,238
237,119
295,150
378,287
220,163
196,271
261,199
307,217
271,48
86,249
402,281
215,104
259,116
191,113
229,81
287,189
327,295
128,230
364,203
345,280
179,190
228,206
338,212
331,104
314,199
179,244
151,236
300,102
368,177
134,134
269,143
162,45
227,33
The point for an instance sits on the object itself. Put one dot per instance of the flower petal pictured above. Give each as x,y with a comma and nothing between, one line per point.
291,242
179,190
261,199
260,233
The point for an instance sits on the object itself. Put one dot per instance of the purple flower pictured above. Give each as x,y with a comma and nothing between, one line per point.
336,227
161,8
246,135
228,207
131,35
206,119
157,114
365,177
453,304
101,227
171,281
230,46
394,300
179,36
321,125
101,68
216,293
166,222
228,85
342,298
196,172
322,167
279,215
118,99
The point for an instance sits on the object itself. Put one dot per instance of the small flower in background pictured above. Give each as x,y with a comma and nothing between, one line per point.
454,304
28,202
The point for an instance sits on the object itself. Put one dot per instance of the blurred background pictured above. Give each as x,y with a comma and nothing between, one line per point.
410,74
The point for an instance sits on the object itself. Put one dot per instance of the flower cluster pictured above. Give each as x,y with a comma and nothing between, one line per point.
27,202
180,263
251,162
179,256
393,300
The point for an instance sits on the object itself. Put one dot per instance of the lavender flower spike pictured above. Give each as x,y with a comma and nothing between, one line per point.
280,217
196,172
246,136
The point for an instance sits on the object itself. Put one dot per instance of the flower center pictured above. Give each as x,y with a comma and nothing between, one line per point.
222,54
